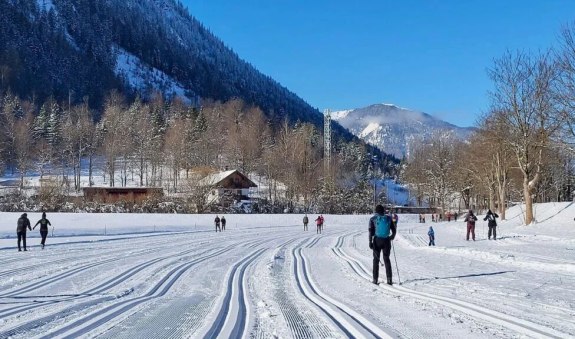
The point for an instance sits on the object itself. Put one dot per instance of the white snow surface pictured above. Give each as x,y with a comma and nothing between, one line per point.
158,276
141,76
371,128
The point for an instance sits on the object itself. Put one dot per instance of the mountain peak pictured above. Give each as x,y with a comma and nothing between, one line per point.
393,128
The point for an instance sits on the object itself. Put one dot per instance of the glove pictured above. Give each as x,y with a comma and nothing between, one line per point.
371,245
392,237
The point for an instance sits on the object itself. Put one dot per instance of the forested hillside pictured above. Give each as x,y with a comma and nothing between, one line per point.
77,50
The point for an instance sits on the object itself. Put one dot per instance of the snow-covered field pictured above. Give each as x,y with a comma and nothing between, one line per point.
158,276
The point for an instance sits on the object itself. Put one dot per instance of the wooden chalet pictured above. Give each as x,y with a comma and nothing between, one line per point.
228,187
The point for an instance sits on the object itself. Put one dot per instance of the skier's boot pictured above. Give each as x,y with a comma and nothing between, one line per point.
375,282
389,282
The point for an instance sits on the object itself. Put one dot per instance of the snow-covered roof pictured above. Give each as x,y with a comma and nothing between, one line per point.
216,178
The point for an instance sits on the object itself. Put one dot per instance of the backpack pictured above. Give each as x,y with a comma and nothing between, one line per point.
382,226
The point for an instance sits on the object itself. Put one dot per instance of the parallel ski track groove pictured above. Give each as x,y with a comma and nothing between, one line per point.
35,284
167,282
508,321
294,319
299,258
103,286
240,322
100,288
47,319
57,277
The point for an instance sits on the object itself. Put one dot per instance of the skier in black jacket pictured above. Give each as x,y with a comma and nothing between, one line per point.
217,222
380,227
492,224
43,228
23,224
223,221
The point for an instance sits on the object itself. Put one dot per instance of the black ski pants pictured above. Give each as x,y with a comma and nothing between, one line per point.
44,234
492,229
21,238
381,245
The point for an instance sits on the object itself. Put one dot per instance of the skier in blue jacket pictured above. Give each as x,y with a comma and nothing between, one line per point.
382,231
431,235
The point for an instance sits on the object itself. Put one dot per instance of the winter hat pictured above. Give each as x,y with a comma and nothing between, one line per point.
43,214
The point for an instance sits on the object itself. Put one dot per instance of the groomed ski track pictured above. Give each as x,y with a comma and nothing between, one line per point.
255,282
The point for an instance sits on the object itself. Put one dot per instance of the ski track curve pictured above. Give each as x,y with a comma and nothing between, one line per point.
521,326
351,323
36,323
96,319
87,293
102,287
224,325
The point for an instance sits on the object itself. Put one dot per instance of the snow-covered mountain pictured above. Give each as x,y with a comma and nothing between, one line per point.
393,129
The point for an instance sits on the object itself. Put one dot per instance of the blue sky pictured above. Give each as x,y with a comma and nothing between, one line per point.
427,55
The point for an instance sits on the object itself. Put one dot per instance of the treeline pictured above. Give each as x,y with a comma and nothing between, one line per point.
523,150
169,144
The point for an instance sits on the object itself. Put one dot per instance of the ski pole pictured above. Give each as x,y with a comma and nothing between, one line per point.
395,258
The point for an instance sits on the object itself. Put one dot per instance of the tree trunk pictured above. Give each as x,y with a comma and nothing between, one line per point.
491,198
90,171
528,201
502,203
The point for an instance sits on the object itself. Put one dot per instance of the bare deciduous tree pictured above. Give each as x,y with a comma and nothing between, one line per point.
523,96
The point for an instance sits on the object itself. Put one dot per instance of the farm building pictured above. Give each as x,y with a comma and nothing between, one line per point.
228,187
125,194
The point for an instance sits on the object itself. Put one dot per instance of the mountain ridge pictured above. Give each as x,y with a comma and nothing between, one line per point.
394,129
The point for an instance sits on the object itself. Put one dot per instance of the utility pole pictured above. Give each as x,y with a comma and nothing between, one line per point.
327,140
327,154
373,160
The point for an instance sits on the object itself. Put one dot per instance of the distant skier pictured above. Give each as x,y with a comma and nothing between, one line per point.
470,219
43,228
217,222
305,222
223,221
492,224
322,221
380,227
431,235
23,224
318,224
